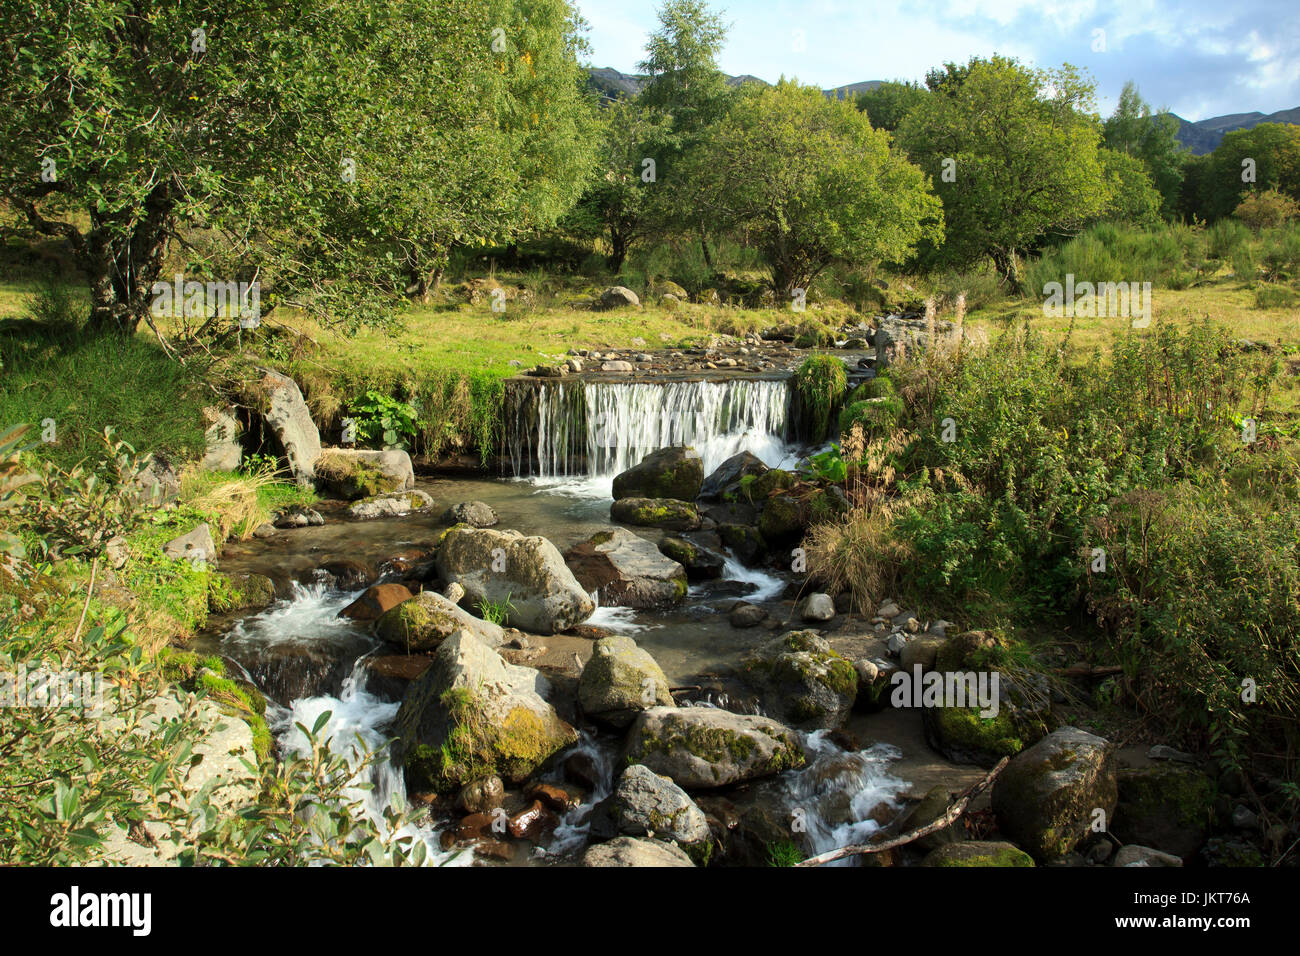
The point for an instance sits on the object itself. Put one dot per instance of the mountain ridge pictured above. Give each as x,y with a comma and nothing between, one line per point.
1201,136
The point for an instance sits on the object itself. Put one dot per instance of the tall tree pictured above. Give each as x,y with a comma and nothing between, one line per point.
812,182
688,91
1013,153
1151,137
332,148
1251,160
889,103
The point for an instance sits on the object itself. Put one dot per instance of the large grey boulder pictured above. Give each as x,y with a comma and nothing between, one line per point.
527,572
617,297
701,747
390,505
802,680
674,472
629,851
197,545
626,570
471,715
353,473
426,620
476,514
620,680
1047,798
279,400
646,803
223,451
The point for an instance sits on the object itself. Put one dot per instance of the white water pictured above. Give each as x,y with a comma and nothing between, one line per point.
831,773
627,421
767,586
310,615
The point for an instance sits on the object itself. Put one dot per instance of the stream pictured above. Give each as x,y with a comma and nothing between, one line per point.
309,660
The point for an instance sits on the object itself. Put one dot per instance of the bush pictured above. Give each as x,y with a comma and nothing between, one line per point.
1267,210
820,380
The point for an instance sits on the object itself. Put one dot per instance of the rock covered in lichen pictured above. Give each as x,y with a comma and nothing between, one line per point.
620,680
630,851
701,747
803,681
426,620
978,853
647,803
471,715
667,513
626,570
674,472
1048,797
354,473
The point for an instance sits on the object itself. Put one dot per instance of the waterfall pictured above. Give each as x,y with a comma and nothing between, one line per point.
598,429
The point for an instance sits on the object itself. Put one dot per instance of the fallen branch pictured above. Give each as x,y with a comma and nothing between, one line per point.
948,817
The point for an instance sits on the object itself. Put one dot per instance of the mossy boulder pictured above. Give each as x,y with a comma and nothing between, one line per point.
723,483
803,682
978,853
525,574
703,747
700,562
962,651
667,513
634,852
239,592
1167,807
423,622
765,485
1047,798
626,570
745,542
620,680
931,807
964,736
674,472
353,474
783,521
645,803
471,716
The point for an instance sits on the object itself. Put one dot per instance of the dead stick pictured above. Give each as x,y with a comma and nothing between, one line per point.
1090,671
949,815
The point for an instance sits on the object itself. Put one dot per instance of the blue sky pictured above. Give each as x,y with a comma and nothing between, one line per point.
1200,58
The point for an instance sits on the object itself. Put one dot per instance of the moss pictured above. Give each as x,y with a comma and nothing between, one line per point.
476,746
979,855
237,699
656,513
965,728
783,519
700,853
784,853
767,484
353,478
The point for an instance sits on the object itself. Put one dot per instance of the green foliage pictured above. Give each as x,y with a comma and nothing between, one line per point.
784,853
495,612
1033,171
1151,139
890,103
827,466
1268,209
810,181
1272,149
821,380
382,419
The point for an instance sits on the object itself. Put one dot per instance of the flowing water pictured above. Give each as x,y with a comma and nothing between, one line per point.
310,661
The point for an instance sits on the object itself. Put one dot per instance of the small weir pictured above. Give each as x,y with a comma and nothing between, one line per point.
596,429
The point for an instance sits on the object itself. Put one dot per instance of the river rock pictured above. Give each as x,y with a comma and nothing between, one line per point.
745,542
1046,797
667,513
279,401
481,796
626,570
818,607
746,615
476,514
289,670
620,680
1168,807
239,592
391,505
629,851
197,545
527,572
675,472
922,649
931,807
352,473
647,804
701,563
617,297
426,620
782,521
803,681
978,853
1132,855
376,601
472,715
723,483
223,451
703,747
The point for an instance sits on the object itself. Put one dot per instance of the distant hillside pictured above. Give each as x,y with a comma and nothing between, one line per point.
1200,137
1203,136
612,84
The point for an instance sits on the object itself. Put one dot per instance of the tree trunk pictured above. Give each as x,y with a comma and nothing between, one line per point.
617,252
123,266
